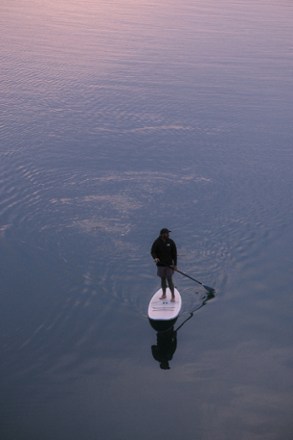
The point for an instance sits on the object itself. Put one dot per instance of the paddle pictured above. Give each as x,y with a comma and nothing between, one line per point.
209,289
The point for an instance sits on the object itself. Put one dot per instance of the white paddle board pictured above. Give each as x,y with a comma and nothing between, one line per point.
164,309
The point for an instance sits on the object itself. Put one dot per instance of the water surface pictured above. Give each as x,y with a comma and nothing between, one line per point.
118,119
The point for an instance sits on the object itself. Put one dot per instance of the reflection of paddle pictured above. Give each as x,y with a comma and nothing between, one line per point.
209,289
205,299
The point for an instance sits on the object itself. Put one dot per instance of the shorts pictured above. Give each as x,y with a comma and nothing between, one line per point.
164,272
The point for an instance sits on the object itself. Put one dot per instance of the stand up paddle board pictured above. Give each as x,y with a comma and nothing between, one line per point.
164,309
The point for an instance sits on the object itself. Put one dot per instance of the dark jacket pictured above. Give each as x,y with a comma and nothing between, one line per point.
164,250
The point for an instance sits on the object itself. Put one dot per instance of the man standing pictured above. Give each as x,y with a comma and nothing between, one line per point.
164,253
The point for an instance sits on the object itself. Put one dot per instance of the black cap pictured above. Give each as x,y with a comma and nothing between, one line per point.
164,231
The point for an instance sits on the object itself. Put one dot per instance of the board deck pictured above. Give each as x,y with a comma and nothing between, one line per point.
164,309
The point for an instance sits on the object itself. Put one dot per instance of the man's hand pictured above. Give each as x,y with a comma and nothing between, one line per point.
156,260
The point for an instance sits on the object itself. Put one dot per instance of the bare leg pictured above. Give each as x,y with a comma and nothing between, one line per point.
171,286
164,287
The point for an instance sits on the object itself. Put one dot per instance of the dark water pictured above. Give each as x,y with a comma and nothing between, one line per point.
119,118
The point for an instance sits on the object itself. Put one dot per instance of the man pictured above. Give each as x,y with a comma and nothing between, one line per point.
164,253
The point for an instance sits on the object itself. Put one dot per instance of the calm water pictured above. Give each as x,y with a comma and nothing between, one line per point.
119,118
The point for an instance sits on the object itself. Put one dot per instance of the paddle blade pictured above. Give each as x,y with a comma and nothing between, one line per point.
209,289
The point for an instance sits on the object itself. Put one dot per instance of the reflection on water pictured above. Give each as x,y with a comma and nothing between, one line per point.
118,118
166,345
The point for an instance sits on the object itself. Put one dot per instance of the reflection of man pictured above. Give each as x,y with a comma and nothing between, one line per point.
165,348
164,253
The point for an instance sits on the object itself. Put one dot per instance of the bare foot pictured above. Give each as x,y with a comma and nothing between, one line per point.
163,297
173,299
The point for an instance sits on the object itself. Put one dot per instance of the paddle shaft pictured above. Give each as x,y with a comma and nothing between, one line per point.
209,289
